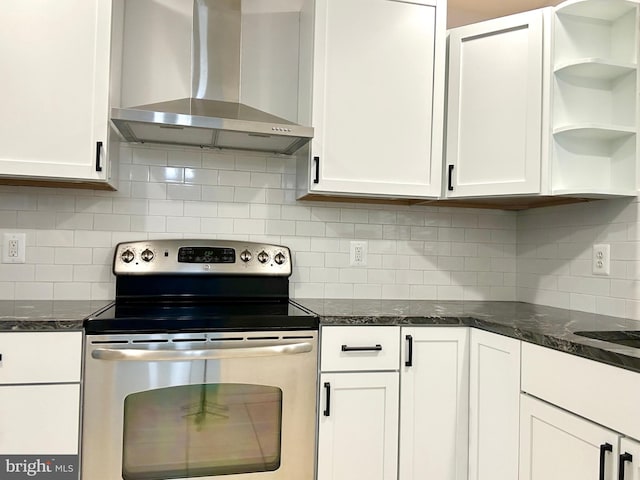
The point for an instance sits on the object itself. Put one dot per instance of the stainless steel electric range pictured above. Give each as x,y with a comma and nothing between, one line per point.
201,368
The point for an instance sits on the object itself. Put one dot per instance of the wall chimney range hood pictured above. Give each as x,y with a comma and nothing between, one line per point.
188,63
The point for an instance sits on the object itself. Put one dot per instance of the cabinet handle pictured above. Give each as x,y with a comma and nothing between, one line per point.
375,348
98,151
316,178
409,362
450,178
327,410
625,457
604,448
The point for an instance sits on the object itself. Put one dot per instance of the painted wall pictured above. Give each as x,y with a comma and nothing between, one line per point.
414,252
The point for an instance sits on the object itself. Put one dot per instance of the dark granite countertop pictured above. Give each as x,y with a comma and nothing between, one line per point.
546,326
45,315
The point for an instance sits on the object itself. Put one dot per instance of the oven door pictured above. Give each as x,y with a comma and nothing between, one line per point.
238,405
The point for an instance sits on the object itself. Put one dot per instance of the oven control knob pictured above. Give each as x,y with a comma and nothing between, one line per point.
146,255
245,256
280,258
263,257
127,256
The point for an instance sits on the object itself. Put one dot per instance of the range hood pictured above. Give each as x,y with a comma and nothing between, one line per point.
160,36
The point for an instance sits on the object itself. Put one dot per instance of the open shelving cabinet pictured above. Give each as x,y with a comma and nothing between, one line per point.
594,142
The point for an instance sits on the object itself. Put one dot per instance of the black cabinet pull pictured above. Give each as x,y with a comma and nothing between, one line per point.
375,348
98,151
625,457
409,362
316,178
327,410
450,179
604,448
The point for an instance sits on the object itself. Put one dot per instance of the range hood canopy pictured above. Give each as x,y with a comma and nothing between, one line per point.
211,116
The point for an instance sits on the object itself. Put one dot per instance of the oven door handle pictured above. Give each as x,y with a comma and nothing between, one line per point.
141,355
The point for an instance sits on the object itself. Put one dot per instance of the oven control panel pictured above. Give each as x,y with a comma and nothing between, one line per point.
207,257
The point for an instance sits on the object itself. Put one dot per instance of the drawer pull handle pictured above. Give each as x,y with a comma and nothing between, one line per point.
375,348
409,362
327,410
604,448
625,457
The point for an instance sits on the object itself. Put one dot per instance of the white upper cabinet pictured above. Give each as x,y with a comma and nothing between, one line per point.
495,107
377,109
55,95
545,103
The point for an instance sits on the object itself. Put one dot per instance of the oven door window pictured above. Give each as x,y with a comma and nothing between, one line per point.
201,430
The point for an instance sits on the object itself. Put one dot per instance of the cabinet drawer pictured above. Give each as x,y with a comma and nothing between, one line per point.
602,393
360,348
40,357
39,419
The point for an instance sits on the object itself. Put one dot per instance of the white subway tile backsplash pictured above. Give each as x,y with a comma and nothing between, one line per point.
54,238
35,220
36,291
184,192
217,193
183,224
185,158
200,176
414,252
234,178
249,195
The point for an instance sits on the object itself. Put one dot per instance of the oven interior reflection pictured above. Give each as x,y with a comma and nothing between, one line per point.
199,430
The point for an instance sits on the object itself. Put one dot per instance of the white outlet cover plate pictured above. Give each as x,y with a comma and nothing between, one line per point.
602,259
22,245
357,253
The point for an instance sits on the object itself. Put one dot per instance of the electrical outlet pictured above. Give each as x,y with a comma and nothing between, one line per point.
357,253
14,247
602,259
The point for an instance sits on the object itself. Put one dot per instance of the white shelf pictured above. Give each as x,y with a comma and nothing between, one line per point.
597,9
592,131
591,193
595,68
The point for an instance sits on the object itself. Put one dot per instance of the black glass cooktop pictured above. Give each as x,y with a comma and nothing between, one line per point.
185,316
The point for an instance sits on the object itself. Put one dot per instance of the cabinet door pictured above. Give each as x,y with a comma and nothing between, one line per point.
40,357
358,428
495,107
629,460
39,419
55,88
434,403
556,445
373,101
494,406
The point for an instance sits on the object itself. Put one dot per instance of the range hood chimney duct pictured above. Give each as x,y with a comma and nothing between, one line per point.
210,114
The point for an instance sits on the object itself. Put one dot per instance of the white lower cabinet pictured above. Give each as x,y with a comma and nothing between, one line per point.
39,420
494,406
40,401
629,460
358,431
434,403
358,405
557,445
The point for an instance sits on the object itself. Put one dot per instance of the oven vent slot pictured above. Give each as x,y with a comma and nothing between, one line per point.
233,339
263,338
108,342
183,340
150,341
297,337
